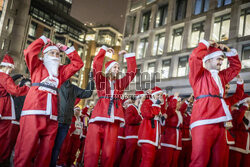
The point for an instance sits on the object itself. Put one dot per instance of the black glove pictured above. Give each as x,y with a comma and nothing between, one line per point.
158,102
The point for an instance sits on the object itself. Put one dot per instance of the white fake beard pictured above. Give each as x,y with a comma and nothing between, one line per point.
7,71
52,64
247,114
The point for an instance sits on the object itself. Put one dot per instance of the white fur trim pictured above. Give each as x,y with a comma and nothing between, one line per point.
246,104
233,52
205,43
110,66
50,48
128,55
131,137
208,121
15,122
149,141
104,47
212,55
121,137
156,105
105,119
70,50
239,150
6,117
7,64
186,102
45,41
240,83
171,146
160,91
186,139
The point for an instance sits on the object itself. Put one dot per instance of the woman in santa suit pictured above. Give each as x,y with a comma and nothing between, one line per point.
38,121
7,108
108,112
172,135
150,128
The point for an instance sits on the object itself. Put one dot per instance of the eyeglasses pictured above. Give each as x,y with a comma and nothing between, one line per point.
57,54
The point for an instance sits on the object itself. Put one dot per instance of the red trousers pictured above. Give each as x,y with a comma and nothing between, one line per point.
185,155
132,154
63,156
169,157
119,151
101,136
237,159
35,129
4,130
80,158
74,145
208,146
10,141
148,155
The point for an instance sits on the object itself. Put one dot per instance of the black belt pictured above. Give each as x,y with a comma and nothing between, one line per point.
110,103
203,96
44,85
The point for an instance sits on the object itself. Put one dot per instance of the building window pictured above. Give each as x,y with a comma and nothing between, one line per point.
129,48
176,39
201,6
183,66
46,32
3,44
159,44
142,48
197,33
106,37
8,24
245,56
223,2
80,51
133,24
221,28
181,6
32,29
244,28
151,68
145,21
161,16
165,68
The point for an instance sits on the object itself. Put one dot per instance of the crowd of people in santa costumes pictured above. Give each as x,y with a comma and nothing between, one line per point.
147,128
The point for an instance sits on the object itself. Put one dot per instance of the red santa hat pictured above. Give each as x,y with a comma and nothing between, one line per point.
77,108
139,93
49,47
156,90
7,61
125,100
212,53
109,65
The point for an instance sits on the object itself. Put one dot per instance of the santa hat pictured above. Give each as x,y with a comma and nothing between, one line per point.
77,108
125,100
212,53
156,90
7,61
139,93
109,65
49,47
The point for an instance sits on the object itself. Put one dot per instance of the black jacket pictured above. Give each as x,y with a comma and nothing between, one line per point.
67,96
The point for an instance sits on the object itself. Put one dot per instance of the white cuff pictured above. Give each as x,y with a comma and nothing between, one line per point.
246,104
128,55
104,47
205,43
156,105
186,102
240,83
44,39
233,52
70,50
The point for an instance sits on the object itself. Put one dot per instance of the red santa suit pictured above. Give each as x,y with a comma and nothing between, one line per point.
172,135
240,151
85,120
39,114
150,129
230,101
108,112
133,118
209,110
7,109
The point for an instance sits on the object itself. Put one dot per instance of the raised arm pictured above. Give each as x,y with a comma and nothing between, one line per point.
131,116
237,95
32,52
195,61
84,93
149,111
66,71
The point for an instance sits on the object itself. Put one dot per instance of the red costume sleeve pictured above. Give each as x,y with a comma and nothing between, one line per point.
236,96
149,110
132,116
234,66
13,89
183,107
238,115
195,62
72,126
172,102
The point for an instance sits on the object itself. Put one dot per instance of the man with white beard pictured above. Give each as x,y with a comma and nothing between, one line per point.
38,123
